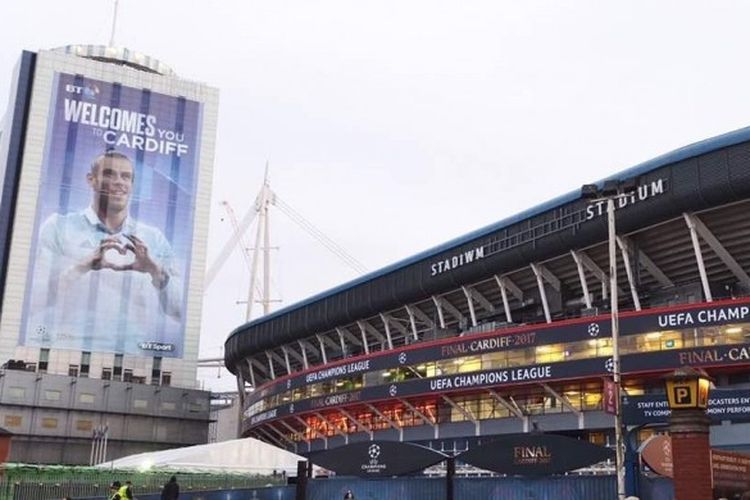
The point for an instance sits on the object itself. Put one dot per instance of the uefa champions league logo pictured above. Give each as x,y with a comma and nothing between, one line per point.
402,358
393,390
609,365
291,408
593,329
372,465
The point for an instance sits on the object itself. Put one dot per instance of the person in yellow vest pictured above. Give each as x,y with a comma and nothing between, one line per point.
126,491
114,491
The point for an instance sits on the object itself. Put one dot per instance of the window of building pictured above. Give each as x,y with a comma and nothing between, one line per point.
49,423
84,425
13,420
117,372
156,371
86,397
166,378
17,392
72,370
52,395
127,375
168,405
597,438
106,373
43,360
85,364
195,406
140,404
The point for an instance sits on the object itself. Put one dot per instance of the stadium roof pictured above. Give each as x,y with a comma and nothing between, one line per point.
694,186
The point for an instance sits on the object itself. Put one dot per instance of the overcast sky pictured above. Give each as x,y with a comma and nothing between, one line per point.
394,126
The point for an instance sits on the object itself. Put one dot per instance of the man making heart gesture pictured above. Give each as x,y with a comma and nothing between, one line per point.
110,278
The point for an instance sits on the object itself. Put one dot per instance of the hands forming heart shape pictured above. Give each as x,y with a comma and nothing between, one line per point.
131,255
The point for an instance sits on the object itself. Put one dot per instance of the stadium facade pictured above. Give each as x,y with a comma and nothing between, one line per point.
106,163
507,329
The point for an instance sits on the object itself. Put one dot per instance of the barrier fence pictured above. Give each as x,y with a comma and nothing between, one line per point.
50,482
39,483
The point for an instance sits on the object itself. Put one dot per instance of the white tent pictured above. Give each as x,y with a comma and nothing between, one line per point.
241,456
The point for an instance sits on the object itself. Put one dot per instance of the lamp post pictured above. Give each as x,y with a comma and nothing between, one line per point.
687,394
611,191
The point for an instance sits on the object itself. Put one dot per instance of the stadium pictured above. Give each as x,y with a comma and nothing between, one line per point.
508,330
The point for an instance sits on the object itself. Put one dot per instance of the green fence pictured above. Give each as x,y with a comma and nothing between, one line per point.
50,482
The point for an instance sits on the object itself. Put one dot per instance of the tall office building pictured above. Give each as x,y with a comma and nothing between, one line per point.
106,160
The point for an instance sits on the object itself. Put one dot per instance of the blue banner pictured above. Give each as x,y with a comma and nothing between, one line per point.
110,256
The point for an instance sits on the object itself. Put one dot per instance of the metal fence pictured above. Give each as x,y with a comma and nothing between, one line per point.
90,484
489,488
270,493
39,483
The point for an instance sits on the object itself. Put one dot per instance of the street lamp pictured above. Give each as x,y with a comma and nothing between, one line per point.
609,192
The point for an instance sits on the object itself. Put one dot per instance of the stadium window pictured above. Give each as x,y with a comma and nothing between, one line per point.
140,404
166,378
43,360
127,375
106,373
597,438
72,370
85,364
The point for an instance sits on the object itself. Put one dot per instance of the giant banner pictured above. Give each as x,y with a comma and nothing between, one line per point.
110,255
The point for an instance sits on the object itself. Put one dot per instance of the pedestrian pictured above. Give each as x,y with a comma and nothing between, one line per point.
114,491
348,495
127,491
171,490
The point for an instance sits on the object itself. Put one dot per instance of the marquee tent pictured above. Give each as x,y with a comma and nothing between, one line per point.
240,456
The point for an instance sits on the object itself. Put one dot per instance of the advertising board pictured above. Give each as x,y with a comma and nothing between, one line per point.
111,248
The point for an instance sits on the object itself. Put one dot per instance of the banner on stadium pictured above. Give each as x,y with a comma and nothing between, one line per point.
723,404
535,454
521,337
377,459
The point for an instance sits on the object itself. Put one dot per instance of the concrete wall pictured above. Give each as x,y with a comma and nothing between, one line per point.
53,417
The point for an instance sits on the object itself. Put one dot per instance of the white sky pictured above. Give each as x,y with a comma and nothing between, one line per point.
396,125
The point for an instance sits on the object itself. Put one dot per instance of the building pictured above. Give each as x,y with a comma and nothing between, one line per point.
106,159
506,329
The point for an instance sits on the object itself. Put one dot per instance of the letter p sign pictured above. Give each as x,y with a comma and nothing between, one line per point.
682,395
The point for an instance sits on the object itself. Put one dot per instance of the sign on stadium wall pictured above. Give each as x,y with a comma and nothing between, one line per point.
590,367
377,459
535,454
467,256
723,404
536,335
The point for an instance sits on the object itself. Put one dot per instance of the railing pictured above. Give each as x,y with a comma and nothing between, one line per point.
42,482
